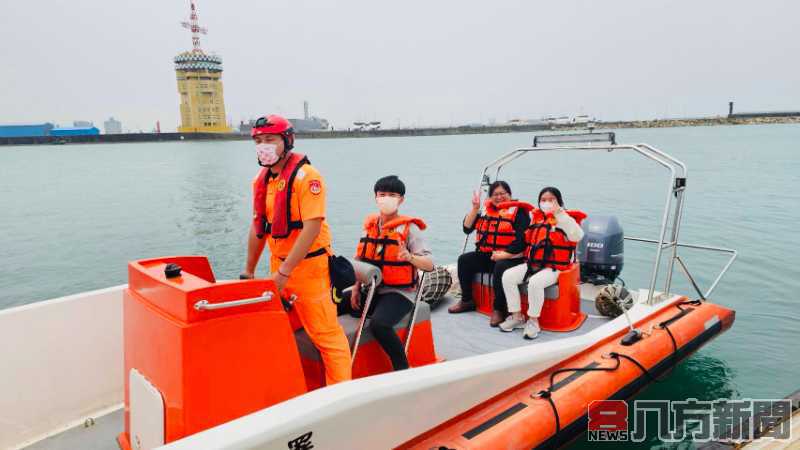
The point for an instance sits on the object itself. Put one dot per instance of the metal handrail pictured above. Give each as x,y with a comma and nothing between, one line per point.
678,172
413,319
680,193
724,270
365,309
205,305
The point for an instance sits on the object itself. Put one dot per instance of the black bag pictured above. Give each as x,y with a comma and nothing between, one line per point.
343,276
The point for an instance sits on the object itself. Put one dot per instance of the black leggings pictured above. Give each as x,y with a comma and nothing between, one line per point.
389,309
471,263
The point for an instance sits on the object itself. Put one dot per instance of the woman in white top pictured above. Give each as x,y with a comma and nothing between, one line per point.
542,274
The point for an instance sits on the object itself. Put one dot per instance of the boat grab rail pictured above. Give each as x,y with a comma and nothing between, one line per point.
734,254
676,188
373,284
413,319
205,305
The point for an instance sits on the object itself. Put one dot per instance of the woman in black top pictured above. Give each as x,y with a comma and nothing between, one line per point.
490,257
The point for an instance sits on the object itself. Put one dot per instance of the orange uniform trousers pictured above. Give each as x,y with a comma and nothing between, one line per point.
310,281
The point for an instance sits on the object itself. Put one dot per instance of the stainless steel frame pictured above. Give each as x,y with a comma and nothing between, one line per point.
365,308
670,220
413,319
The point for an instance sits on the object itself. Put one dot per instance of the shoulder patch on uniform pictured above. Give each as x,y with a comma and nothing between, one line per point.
315,187
300,174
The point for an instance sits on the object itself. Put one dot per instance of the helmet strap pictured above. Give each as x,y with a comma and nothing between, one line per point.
285,154
287,145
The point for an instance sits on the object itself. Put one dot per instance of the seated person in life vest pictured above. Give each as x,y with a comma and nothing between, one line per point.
396,245
499,242
551,239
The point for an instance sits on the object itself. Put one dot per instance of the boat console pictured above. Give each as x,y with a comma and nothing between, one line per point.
201,352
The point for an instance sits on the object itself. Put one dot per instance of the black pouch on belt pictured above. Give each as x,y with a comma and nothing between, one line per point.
343,276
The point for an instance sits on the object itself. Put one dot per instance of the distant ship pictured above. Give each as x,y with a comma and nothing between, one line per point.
300,125
366,126
567,120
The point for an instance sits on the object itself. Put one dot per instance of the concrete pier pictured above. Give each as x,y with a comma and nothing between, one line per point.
793,443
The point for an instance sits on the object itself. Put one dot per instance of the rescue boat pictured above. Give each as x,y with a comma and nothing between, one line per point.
177,359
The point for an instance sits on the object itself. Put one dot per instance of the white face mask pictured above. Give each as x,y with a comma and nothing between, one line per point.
547,206
388,205
267,154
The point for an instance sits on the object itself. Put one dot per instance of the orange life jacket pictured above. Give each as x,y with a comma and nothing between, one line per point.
495,229
548,246
282,215
380,246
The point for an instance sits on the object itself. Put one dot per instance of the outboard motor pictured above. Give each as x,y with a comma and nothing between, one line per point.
601,251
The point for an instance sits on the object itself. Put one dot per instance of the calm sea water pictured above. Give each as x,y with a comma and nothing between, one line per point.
72,216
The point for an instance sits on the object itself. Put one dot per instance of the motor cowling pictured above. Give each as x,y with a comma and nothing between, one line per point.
601,251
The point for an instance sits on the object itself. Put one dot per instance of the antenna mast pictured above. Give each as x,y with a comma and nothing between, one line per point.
195,27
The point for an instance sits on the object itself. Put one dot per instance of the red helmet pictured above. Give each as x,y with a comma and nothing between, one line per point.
274,124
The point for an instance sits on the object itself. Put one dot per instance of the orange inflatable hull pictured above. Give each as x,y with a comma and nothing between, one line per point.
521,418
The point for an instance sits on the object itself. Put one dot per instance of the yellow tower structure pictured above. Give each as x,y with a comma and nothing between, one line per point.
200,86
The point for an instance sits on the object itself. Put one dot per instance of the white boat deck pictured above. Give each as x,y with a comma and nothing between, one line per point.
102,435
469,334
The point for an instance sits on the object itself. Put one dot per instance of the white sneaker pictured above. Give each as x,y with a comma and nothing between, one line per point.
531,329
511,323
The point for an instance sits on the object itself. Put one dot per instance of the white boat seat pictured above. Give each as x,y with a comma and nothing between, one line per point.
549,291
350,325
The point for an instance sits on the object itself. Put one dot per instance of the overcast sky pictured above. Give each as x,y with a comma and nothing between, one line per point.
410,62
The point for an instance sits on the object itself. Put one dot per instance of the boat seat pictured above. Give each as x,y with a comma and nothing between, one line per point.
549,292
561,310
350,325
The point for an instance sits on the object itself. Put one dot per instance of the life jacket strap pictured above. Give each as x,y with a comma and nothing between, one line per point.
384,241
292,225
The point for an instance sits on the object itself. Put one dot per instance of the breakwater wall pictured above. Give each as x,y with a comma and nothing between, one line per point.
116,138
735,119
407,132
695,122
166,137
764,115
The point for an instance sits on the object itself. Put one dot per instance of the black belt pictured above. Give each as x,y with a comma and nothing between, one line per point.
318,252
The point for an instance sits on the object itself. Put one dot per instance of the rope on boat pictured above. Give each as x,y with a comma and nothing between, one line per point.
696,302
640,366
665,326
547,394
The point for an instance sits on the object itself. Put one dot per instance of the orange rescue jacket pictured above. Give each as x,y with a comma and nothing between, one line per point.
282,216
380,247
548,246
495,229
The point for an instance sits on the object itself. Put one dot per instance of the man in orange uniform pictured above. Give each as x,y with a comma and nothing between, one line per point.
289,210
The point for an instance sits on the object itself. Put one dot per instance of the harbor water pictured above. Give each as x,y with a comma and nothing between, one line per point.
72,216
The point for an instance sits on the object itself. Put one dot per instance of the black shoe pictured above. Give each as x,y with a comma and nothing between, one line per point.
461,307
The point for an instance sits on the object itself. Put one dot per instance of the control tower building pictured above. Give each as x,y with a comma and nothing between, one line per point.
200,85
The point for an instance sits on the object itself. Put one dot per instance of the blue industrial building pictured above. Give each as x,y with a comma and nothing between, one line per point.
38,129
75,131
